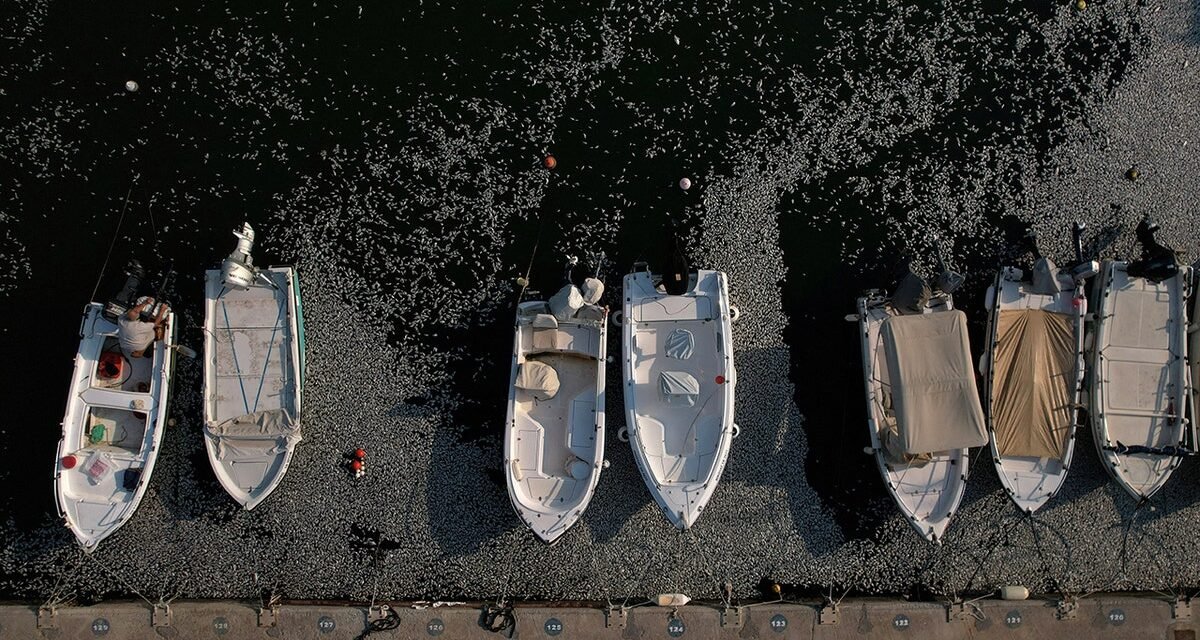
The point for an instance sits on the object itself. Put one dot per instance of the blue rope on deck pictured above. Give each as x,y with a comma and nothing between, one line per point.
236,366
270,347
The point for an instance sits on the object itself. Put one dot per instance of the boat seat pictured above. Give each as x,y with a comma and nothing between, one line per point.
577,468
650,435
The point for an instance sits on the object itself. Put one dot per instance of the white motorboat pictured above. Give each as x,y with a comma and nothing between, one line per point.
253,372
1139,379
1194,353
922,402
116,412
679,385
554,435
1033,373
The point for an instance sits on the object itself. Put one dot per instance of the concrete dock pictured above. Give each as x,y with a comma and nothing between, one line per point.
1096,616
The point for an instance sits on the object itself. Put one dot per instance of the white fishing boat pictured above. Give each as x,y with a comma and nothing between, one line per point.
1139,381
679,385
1033,374
253,372
1194,352
554,435
922,402
112,428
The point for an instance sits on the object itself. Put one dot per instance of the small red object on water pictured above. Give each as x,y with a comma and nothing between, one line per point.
720,379
360,454
550,162
68,462
356,465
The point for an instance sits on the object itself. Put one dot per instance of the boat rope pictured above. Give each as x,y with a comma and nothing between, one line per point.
114,574
236,367
389,622
270,347
153,226
113,243
706,563
56,598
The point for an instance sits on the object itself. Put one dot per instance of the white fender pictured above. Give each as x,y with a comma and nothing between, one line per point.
734,313
618,318
623,434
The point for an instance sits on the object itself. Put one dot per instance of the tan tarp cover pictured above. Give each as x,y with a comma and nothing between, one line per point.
255,434
932,382
538,378
1033,370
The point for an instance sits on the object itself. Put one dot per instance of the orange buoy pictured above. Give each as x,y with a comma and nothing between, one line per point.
720,379
360,454
550,162
68,462
356,465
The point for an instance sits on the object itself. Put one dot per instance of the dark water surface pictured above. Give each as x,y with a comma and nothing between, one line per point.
307,114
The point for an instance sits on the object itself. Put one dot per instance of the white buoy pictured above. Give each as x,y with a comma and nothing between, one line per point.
131,86
685,184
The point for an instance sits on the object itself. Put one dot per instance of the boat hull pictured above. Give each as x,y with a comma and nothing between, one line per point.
554,446
927,494
1139,383
679,389
1032,481
253,382
116,422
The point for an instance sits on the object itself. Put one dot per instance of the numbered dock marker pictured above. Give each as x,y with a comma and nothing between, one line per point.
435,627
675,628
1012,619
220,626
100,627
778,623
901,622
553,627
326,624
1116,617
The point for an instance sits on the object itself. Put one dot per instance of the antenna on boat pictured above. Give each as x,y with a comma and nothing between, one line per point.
1077,240
947,281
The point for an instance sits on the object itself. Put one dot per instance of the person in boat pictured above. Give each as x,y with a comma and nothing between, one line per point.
137,335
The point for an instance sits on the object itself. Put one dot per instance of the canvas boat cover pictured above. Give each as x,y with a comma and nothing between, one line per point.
245,435
1033,371
679,387
538,378
566,302
933,383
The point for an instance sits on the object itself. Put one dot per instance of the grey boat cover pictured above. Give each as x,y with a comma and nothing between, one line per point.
1045,278
1033,372
679,387
566,302
254,434
933,383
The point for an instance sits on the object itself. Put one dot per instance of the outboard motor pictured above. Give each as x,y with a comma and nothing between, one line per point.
127,297
948,281
1158,262
675,277
1081,269
912,292
238,270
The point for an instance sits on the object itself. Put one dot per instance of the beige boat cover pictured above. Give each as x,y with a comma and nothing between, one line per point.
538,378
255,434
932,382
1033,370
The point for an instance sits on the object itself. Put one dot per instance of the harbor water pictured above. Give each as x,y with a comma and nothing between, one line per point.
395,154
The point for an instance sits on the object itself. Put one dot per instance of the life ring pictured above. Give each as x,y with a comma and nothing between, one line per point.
623,434
618,318
737,430
734,313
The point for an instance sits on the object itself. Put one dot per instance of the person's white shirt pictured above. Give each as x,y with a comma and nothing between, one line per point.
134,335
